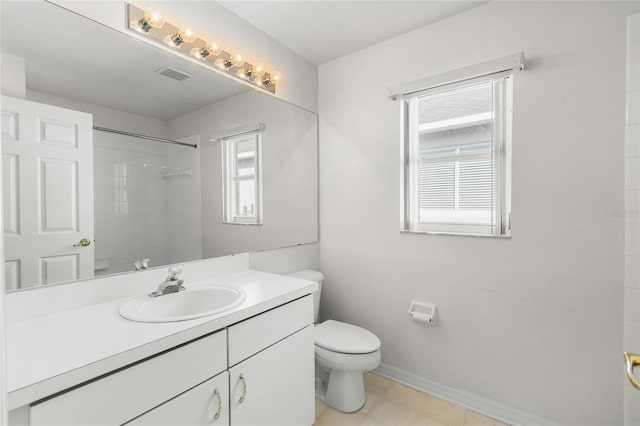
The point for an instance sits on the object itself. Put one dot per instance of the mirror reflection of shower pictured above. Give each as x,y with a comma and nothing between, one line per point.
145,198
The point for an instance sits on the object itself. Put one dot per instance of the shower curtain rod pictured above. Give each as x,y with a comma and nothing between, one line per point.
151,138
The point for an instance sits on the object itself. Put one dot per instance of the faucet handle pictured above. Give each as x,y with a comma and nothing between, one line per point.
174,272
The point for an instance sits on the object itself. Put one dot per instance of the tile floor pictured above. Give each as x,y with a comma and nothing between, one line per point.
392,404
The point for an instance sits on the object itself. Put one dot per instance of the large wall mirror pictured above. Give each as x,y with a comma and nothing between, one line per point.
81,201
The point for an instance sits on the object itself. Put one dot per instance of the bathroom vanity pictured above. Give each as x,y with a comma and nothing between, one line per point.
252,365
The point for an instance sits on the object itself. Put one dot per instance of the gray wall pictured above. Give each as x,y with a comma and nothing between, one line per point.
632,214
534,322
289,172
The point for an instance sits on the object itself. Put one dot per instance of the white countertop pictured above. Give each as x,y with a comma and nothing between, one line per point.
51,353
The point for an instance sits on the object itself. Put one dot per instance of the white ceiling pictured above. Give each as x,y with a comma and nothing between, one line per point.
321,31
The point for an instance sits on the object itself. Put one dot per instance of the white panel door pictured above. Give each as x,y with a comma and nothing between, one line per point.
47,159
275,386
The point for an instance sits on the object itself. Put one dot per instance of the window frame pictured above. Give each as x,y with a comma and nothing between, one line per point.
230,179
500,154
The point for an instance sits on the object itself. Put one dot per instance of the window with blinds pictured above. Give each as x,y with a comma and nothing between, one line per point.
457,157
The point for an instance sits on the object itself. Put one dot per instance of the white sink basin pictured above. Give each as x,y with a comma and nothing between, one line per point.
185,305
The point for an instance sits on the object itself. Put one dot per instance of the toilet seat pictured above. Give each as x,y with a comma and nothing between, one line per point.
345,338
337,361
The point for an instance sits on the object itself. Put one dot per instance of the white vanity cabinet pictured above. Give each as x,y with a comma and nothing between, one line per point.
272,367
271,383
274,386
259,371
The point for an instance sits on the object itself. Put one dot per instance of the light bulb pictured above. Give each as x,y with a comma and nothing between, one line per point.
273,78
152,19
258,70
214,49
276,76
187,35
208,50
225,64
237,59
199,53
258,80
172,40
176,40
243,73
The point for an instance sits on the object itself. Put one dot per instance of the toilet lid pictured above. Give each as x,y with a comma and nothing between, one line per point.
345,338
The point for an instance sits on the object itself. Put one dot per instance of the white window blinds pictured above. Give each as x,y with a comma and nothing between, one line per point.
457,175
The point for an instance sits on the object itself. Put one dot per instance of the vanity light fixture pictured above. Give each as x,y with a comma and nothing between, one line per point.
224,63
237,59
152,19
176,40
244,73
270,80
151,26
257,71
210,49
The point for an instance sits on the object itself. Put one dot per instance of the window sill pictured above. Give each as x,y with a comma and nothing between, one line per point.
457,234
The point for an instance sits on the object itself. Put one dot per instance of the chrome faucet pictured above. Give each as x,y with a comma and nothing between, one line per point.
172,284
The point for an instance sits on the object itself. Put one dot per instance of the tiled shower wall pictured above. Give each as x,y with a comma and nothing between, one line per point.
131,202
632,213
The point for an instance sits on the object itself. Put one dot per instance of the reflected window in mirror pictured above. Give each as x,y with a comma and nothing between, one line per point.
242,172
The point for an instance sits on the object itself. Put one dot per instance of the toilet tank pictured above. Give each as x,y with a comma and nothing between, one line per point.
311,275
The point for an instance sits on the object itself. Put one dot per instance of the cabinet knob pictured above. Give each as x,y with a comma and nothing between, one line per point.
244,388
216,392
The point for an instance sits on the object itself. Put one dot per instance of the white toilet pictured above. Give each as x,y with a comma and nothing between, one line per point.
343,353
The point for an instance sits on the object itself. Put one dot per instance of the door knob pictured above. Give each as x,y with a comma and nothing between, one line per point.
631,361
83,243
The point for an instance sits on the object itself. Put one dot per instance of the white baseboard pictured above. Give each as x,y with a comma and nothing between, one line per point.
477,403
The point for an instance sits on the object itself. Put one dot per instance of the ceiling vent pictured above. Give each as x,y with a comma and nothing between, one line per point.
173,73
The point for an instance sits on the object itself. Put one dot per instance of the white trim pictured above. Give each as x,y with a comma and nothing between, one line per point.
238,131
4,411
500,156
513,62
230,178
455,234
474,402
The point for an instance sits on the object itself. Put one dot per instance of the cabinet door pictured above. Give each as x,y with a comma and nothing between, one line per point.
277,384
195,407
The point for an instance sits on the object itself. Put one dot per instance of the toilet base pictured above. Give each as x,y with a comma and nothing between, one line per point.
345,391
